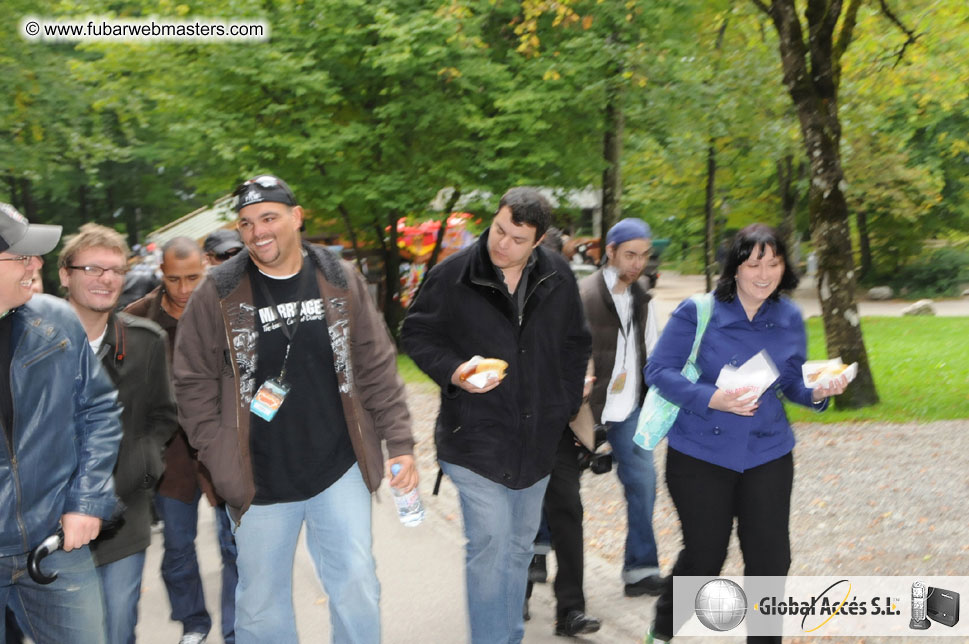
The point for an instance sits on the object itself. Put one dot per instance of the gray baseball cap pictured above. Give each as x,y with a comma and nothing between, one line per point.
20,237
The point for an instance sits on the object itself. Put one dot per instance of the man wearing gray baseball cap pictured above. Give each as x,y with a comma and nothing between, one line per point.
61,427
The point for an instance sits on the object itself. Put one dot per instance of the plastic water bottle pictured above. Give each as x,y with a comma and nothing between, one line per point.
409,506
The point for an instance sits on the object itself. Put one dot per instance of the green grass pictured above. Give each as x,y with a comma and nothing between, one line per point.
920,366
410,373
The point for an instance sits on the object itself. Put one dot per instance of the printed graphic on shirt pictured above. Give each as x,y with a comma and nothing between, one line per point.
269,317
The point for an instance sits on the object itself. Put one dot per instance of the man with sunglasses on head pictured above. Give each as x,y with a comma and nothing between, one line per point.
185,480
287,384
132,351
61,431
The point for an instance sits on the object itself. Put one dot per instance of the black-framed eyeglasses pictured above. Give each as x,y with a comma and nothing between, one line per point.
23,259
98,271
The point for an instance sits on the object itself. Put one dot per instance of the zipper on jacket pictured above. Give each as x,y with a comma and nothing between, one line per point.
60,345
15,472
235,378
502,290
14,464
531,291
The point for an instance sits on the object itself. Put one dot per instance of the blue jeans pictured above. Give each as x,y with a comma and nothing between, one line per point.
68,610
500,525
338,538
180,568
634,466
121,589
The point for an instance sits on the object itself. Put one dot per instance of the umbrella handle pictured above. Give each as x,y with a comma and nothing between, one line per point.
47,546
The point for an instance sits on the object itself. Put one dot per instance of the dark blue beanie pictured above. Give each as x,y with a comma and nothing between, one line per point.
626,229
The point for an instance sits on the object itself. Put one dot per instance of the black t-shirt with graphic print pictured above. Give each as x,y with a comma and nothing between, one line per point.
306,447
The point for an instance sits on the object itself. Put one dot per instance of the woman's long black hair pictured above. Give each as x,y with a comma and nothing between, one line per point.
745,242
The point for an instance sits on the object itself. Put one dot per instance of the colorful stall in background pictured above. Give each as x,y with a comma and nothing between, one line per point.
416,243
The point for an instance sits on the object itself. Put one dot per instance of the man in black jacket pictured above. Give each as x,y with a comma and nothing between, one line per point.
132,351
504,297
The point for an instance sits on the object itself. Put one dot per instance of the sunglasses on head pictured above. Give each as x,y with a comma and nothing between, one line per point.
263,181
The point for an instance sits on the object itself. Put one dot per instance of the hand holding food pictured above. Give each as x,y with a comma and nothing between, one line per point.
479,375
821,373
486,365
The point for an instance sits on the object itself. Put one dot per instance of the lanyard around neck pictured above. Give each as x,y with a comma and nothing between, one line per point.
283,326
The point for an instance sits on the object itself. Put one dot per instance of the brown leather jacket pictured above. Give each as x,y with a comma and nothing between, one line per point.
214,368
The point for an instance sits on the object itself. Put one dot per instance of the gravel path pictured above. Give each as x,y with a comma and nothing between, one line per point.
869,499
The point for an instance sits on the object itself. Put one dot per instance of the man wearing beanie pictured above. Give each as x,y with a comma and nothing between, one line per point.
287,385
623,325
61,429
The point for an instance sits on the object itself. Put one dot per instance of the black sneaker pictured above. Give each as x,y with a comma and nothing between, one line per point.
576,623
537,572
652,585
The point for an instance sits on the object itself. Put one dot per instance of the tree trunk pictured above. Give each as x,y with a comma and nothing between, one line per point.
785,189
345,216
814,92
612,153
393,311
710,238
864,243
448,209
82,203
352,234
27,200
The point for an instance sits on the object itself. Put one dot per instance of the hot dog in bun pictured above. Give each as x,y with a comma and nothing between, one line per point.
487,364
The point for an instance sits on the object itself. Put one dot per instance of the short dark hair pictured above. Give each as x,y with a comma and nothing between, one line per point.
745,242
181,248
528,207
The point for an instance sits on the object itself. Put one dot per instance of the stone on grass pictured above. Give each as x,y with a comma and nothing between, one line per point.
922,307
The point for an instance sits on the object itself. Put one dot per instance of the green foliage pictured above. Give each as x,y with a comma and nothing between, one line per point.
369,108
941,272
919,363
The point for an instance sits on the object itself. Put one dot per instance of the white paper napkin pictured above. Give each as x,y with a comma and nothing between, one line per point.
758,372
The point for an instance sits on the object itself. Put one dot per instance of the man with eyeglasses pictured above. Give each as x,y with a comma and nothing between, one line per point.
287,385
61,431
184,481
133,352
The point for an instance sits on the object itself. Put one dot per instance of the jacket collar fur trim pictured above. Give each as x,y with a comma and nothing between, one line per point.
227,275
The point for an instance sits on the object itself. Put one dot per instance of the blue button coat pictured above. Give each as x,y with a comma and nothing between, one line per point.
735,442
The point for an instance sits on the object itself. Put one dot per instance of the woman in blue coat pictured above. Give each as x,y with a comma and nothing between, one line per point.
729,455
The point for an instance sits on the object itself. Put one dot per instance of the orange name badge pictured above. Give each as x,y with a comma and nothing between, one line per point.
619,383
269,399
